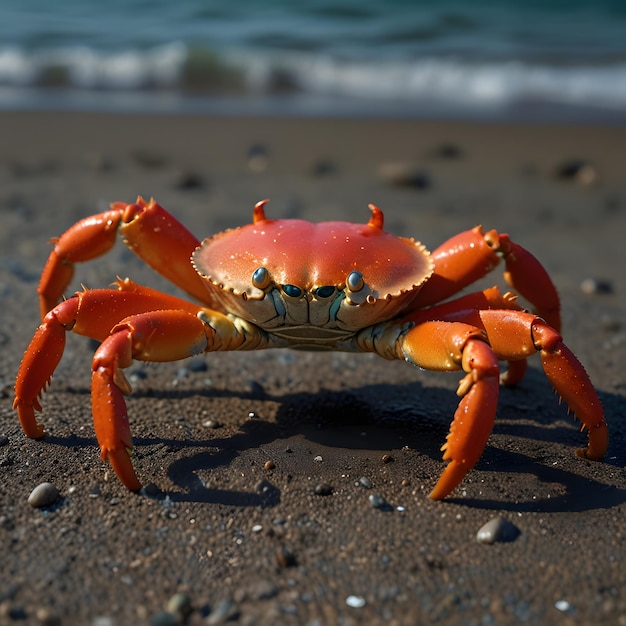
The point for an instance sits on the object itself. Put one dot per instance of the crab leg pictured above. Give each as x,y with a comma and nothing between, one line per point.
168,335
449,346
155,336
148,230
467,309
515,335
91,313
465,258
154,327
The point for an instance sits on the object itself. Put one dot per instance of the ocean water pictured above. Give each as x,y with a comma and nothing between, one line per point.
533,59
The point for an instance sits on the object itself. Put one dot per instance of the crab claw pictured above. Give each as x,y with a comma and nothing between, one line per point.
474,417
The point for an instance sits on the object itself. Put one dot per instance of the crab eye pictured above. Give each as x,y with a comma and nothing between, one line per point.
292,291
355,281
261,278
325,292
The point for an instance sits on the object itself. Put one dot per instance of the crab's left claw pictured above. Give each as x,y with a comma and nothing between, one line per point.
452,346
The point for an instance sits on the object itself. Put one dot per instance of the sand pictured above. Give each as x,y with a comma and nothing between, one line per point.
301,543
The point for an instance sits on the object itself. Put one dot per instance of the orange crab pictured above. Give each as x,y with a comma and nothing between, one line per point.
296,284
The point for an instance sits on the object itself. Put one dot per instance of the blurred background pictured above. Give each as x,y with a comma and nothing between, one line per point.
495,59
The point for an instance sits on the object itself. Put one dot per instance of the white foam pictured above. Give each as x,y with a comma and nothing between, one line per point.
456,82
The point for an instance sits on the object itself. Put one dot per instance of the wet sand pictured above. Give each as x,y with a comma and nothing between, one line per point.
293,544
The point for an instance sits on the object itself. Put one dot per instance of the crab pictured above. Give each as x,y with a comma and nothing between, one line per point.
291,283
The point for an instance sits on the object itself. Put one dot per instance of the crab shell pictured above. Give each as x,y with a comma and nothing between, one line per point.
335,275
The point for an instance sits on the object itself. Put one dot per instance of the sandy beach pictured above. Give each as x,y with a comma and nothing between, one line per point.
300,542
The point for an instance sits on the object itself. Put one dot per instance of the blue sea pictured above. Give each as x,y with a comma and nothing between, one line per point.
493,59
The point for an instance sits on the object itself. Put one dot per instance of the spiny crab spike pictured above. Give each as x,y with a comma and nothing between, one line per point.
258,214
378,219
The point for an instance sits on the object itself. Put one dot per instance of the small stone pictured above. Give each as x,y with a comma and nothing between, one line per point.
223,612
180,605
257,528
212,424
387,458
197,364
188,181
378,502
4,440
564,606
497,530
448,151
356,602
318,459
323,489
580,171
593,286
365,482
285,557
95,491
404,175
324,167
43,495
269,465
47,617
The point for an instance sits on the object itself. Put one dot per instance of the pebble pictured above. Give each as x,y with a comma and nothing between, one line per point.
197,364
364,481
356,602
188,181
4,440
47,617
324,167
404,175
269,465
318,459
323,489
580,171
223,612
378,502
448,151
212,424
592,286
564,606
497,530
180,605
43,495
387,458
285,557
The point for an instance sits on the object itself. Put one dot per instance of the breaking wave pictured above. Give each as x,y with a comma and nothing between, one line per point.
186,70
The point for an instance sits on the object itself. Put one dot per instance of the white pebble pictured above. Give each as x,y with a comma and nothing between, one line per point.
564,606
356,602
257,528
497,529
318,459
43,495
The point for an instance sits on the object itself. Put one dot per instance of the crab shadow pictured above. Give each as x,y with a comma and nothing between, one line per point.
395,416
